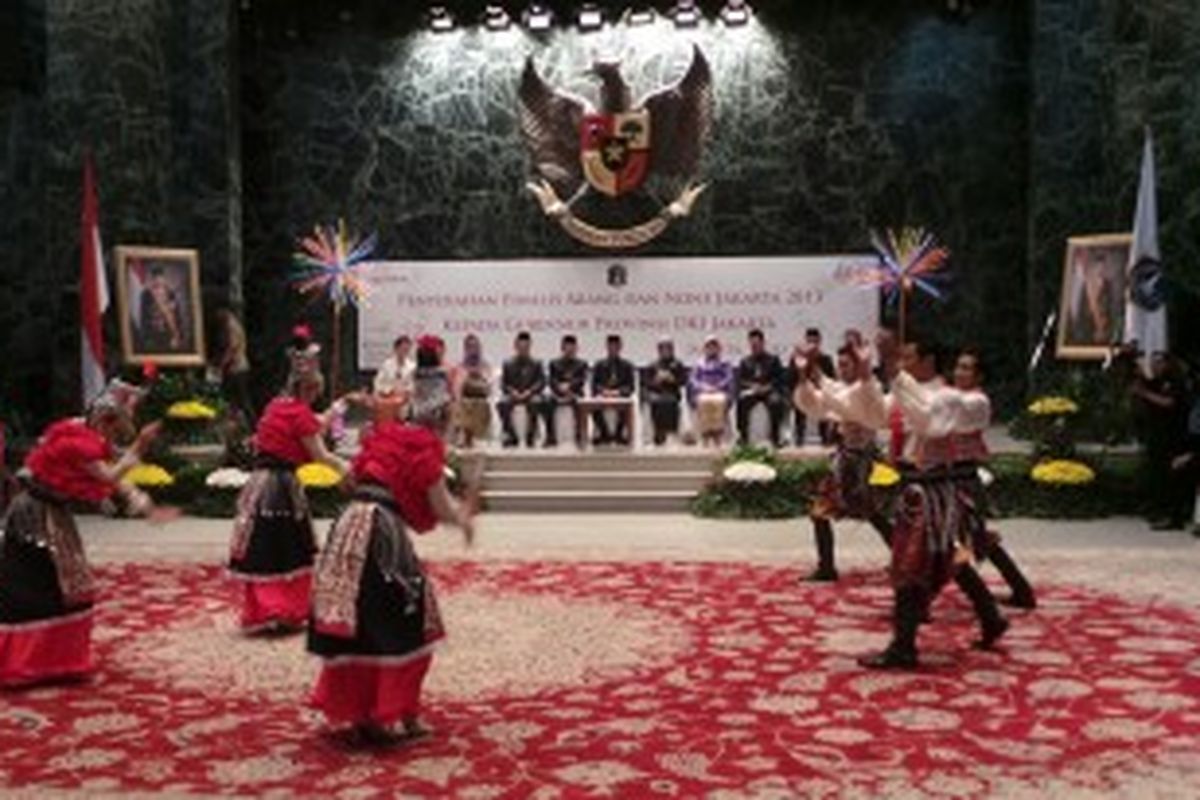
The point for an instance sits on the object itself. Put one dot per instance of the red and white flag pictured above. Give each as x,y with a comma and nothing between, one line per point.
93,291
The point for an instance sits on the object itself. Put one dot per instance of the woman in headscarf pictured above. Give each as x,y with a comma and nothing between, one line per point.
46,587
271,553
374,619
472,385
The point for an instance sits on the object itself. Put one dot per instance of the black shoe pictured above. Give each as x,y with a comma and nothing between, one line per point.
1018,600
992,635
822,575
550,443
891,658
509,441
529,442
1166,525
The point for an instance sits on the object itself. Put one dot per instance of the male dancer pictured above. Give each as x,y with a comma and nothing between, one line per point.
856,404
937,522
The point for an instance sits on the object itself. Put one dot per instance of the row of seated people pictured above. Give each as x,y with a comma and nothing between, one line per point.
611,388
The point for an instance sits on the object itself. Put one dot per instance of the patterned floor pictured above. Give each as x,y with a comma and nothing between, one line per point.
633,679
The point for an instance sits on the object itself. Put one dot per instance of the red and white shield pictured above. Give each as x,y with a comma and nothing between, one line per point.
615,150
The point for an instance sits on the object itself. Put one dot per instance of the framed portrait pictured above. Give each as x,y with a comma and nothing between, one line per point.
1091,316
158,302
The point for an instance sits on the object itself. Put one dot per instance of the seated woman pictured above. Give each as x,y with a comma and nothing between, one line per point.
710,390
271,552
46,587
374,617
472,386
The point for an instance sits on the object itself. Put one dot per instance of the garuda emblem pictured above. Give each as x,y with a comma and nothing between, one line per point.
615,149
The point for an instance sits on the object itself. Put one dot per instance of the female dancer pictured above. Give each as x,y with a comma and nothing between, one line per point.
374,619
46,588
271,554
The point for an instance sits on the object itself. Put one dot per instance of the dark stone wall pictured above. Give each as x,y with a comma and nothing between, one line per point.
1003,134
829,122
1102,71
149,87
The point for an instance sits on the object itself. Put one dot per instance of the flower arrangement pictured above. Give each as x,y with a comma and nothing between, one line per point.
191,410
227,478
749,472
148,476
883,475
318,476
1053,406
1062,472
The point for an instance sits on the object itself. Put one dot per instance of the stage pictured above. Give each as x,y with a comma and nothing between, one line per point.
645,655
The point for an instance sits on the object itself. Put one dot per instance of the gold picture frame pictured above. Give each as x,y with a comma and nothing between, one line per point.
159,305
1091,311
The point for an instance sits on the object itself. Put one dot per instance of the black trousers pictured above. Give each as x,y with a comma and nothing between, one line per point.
664,414
775,409
603,434
825,429
550,404
505,409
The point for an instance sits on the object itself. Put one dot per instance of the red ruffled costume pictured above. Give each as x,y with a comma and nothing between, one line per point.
271,554
375,618
46,590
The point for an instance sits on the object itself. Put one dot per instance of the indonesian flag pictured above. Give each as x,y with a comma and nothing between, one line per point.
93,291
1145,299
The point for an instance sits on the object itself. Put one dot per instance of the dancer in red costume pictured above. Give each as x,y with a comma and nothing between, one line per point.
272,550
46,588
375,620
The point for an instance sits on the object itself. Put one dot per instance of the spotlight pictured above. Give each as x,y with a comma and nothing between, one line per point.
538,18
440,20
685,14
735,12
639,14
590,17
495,18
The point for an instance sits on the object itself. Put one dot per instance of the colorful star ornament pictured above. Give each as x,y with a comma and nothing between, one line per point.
330,261
909,259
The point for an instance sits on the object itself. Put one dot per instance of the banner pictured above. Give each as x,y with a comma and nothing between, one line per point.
642,299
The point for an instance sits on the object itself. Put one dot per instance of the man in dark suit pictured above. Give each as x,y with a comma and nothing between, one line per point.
568,379
663,382
521,383
760,379
612,376
811,353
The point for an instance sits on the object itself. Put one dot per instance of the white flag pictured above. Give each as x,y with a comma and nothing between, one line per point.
1145,298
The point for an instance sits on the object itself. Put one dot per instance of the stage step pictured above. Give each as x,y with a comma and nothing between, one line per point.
587,501
583,480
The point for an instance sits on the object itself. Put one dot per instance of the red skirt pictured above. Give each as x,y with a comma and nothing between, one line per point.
282,600
368,689
46,650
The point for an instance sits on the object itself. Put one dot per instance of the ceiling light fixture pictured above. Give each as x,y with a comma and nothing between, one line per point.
735,12
591,18
440,20
538,18
685,14
495,18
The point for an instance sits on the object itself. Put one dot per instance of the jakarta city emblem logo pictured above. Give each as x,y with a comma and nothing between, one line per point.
612,149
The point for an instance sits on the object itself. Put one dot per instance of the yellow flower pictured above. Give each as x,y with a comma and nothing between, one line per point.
1053,406
148,475
883,475
318,476
191,409
1063,473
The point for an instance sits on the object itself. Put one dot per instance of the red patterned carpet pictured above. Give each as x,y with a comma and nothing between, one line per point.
632,680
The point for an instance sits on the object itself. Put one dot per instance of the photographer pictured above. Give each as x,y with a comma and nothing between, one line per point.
1161,407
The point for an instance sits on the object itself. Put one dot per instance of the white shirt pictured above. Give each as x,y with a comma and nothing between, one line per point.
394,377
933,409
859,403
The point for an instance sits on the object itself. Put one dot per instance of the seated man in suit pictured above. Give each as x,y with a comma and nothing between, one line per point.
612,376
663,382
521,383
568,378
760,379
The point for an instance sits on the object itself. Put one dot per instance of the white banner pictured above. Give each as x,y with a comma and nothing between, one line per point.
642,299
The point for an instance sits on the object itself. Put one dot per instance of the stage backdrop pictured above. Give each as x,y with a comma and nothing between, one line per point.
642,299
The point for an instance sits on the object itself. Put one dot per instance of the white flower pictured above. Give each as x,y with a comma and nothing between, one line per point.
227,478
749,472
986,477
